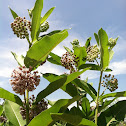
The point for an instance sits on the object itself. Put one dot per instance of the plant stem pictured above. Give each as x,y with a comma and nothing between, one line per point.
28,41
27,107
97,99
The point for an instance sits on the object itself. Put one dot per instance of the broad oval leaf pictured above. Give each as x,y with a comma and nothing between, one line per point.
55,59
93,67
69,88
117,111
47,15
13,13
53,86
40,49
62,81
9,96
72,119
19,59
116,94
36,16
12,112
104,52
44,118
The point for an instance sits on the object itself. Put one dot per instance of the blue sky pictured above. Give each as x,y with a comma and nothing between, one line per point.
84,17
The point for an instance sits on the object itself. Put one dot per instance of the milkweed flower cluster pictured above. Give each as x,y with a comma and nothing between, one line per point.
92,53
33,111
69,61
24,79
20,27
110,82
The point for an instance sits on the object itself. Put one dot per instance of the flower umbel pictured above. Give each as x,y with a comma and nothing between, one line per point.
33,111
92,53
20,27
110,82
23,79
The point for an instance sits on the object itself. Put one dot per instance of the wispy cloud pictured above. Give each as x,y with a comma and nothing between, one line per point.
118,67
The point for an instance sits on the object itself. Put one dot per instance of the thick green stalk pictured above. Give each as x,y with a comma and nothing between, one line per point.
97,99
27,107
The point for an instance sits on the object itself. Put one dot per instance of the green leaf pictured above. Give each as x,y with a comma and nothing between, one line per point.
36,16
47,15
9,96
116,94
96,38
106,104
111,53
68,50
85,107
104,52
44,118
51,102
69,88
117,111
53,86
19,59
74,75
85,86
13,13
55,59
81,53
72,119
49,34
12,112
40,49
88,42
1,109
76,111
93,67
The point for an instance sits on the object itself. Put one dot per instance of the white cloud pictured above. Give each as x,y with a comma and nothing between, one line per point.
50,68
118,67
90,75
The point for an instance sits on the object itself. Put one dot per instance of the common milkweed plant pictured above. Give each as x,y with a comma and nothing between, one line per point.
34,111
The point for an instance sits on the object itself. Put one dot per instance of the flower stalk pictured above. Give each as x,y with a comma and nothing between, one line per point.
27,107
97,98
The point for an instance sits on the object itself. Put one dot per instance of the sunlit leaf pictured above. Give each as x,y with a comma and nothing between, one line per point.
9,96
40,49
19,59
36,16
12,112
44,118
13,13
47,15
104,52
